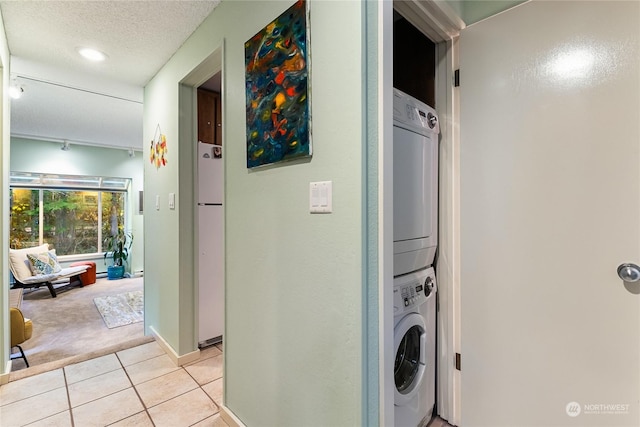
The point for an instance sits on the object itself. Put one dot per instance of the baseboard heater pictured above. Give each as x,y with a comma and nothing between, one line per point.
103,274
209,342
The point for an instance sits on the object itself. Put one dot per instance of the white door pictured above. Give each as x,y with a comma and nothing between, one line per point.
550,190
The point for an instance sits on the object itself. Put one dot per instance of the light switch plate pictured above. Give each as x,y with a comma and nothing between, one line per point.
321,197
172,200
157,202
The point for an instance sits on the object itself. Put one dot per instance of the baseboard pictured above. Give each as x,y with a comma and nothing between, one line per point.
178,360
4,377
230,418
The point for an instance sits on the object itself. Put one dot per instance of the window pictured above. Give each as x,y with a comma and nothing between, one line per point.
71,213
24,230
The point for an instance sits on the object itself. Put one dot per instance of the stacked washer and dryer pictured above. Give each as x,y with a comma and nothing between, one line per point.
415,238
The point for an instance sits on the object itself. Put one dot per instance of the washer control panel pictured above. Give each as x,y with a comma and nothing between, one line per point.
412,290
410,294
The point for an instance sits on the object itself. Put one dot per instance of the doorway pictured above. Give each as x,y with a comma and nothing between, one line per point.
201,99
441,26
210,212
74,215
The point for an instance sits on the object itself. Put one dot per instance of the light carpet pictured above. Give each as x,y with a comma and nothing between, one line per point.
70,325
121,309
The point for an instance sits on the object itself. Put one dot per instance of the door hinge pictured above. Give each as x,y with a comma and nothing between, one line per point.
456,78
458,361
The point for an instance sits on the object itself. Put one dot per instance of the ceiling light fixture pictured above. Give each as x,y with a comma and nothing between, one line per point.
66,146
92,54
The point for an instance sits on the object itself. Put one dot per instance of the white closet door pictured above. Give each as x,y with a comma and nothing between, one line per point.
550,189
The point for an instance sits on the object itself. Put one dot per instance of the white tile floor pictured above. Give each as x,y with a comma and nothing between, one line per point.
136,387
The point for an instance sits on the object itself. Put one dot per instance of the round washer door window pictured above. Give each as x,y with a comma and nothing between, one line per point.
409,365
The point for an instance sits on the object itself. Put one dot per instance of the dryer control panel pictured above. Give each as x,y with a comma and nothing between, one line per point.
415,115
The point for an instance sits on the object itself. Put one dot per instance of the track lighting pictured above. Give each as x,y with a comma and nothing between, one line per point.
66,146
15,91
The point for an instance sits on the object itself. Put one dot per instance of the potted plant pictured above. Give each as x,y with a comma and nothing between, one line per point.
117,247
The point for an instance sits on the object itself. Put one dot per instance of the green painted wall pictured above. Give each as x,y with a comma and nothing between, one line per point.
5,122
472,11
457,6
46,157
294,281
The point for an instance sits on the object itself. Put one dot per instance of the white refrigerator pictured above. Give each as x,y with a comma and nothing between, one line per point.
211,244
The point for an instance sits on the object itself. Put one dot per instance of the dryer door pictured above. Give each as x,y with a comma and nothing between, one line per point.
415,199
410,340
415,175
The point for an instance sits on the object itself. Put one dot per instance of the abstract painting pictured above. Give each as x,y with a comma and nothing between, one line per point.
277,90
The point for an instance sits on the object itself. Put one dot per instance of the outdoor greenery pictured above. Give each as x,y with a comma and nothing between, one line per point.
24,231
70,219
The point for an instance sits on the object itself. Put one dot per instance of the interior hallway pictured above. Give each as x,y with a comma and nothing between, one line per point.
139,386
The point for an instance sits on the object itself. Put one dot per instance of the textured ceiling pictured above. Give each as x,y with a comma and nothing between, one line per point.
139,37
68,97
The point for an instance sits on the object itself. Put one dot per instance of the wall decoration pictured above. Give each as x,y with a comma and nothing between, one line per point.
277,89
158,149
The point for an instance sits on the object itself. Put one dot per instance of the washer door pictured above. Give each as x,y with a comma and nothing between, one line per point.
410,339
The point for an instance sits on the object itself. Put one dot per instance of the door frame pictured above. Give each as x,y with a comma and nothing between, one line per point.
438,21
5,330
188,125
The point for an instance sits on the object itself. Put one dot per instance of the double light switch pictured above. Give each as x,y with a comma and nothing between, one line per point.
320,197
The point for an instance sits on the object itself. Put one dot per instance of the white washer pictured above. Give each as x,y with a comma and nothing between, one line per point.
414,307
415,183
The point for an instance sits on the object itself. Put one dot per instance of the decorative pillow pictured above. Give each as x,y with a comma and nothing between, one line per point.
44,263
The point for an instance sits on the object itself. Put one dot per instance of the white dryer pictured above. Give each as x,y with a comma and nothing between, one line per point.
415,183
414,307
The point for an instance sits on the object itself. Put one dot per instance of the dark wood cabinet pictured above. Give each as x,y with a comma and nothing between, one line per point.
209,117
414,61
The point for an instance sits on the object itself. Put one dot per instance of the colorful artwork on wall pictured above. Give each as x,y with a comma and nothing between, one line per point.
158,149
277,89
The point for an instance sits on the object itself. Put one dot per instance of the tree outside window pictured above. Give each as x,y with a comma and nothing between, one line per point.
71,221
112,213
24,225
